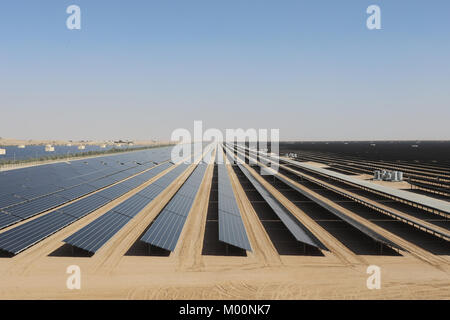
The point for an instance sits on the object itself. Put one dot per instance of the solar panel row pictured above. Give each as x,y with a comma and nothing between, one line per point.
38,205
92,237
300,232
24,236
14,240
166,229
231,227
18,186
374,235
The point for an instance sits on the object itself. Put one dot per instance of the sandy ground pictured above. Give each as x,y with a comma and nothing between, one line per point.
186,274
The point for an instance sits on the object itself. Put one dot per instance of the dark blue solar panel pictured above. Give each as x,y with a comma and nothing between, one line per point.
133,182
34,207
38,191
93,236
84,206
180,205
232,231
18,239
76,192
132,206
114,192
7,220
231,227
8,200
166,229
101,183
151,191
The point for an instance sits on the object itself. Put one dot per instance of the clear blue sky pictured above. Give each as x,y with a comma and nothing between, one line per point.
139,69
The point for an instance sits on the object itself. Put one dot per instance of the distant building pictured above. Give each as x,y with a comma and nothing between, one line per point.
49,148
387,175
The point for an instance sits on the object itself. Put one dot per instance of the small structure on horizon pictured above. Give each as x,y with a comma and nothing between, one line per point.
81,147
49,148
387,175
21,146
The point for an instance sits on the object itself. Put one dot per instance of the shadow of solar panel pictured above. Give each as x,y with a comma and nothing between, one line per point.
34,207
18,239
76,192
84,206
7,220
93,236
132,206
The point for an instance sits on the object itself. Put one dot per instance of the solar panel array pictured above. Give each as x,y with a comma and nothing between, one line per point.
166,229
94,235
22,237
231,226
24,196
300,232
374,235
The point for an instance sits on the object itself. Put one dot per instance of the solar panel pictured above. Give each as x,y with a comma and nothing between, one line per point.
132,206
151,191
37,229
93,236
34,207
165,231
133,182
36,192
232,231
84,206
101,183
76,192
300,232
8,200
374,235
231,227
114,192
7,220
18,239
